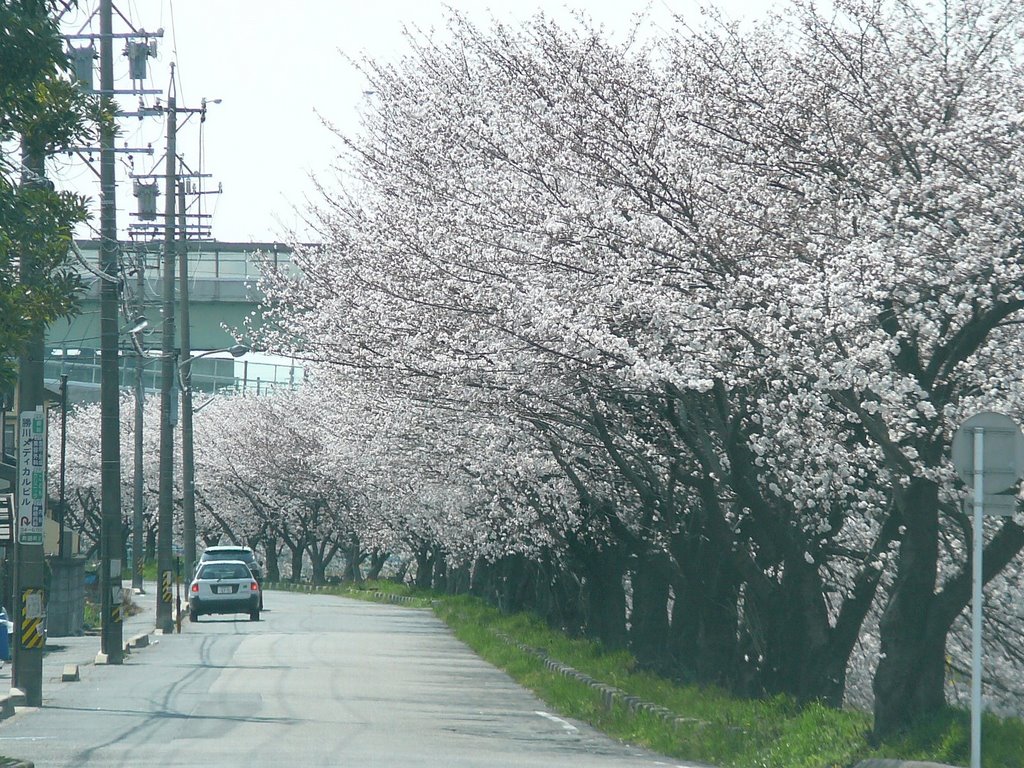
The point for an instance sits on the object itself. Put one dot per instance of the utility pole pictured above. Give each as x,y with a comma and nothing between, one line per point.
138,545
165,528
62,488
111,546
185,374
28,572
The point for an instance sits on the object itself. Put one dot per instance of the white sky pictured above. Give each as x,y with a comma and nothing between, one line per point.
276,65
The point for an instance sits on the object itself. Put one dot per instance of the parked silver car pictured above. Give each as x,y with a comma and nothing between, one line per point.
224,586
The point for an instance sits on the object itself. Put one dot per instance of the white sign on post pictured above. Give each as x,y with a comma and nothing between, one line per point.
988,454
31,476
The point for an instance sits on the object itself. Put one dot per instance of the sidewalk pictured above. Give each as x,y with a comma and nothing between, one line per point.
60,651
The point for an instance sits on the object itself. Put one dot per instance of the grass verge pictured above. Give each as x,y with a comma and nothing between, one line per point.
711,726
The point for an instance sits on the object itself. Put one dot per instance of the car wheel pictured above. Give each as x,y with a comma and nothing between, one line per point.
254,615
193,616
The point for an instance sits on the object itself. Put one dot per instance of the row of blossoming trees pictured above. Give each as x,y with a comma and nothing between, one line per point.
664,337
695,315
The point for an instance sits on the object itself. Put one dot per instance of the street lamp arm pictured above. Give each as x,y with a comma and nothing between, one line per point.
236,350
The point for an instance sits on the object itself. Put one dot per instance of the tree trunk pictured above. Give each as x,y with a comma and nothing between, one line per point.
649,626
424,567
605,599
788,627
566,589
377,560
716,603
297,553
273,565
458,580
319,569
481,583
908,683
402,572
440,575
682,639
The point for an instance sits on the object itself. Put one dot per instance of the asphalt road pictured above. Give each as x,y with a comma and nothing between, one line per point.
320,681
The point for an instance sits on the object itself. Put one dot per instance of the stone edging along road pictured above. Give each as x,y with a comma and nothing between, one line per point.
610,695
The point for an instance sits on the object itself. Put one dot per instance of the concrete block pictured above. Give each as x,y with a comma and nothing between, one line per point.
6,707
17,697
139,641
70,674
102,658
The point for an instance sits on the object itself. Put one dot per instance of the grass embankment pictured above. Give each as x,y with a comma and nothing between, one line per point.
709,725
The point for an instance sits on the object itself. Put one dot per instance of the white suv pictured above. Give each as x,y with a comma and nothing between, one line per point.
232,552
223,586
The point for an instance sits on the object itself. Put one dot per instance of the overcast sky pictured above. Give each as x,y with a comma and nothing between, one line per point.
276,66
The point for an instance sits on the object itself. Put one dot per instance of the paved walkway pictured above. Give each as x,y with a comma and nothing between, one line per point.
82,650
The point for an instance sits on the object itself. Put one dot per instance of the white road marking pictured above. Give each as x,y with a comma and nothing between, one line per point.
566,726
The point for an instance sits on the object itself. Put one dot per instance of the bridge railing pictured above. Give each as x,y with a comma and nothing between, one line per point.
206,258
209,375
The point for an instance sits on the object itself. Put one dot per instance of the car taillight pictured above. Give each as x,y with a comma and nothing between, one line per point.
195,587
254,587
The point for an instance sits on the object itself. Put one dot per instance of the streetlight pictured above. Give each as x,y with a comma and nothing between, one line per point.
188,467
140,324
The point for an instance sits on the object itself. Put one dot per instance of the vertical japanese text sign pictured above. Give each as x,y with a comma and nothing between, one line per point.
31,476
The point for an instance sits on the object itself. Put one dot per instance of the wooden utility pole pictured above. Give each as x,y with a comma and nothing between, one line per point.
138,542
168,366
185,376
111,545
27,674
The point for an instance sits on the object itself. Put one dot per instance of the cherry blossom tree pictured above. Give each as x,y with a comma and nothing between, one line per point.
694,319
82,466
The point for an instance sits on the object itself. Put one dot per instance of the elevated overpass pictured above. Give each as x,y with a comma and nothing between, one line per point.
222,294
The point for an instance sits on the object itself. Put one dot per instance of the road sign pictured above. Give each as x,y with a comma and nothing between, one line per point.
988,454
1004,451
31,476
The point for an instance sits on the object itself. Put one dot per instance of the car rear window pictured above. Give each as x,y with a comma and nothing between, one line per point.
224,571
236,554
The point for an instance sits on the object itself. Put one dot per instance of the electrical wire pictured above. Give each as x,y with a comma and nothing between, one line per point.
174,33
91,268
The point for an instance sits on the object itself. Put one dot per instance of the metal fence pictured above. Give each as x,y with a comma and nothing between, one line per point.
209,374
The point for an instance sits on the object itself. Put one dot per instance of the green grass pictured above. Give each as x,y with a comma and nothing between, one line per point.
718,728
92,614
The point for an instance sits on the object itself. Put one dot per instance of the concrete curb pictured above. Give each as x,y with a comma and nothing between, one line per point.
383,597
139,641
6,707
610,695
387,597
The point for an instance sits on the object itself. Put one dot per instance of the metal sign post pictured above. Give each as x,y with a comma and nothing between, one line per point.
988,454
